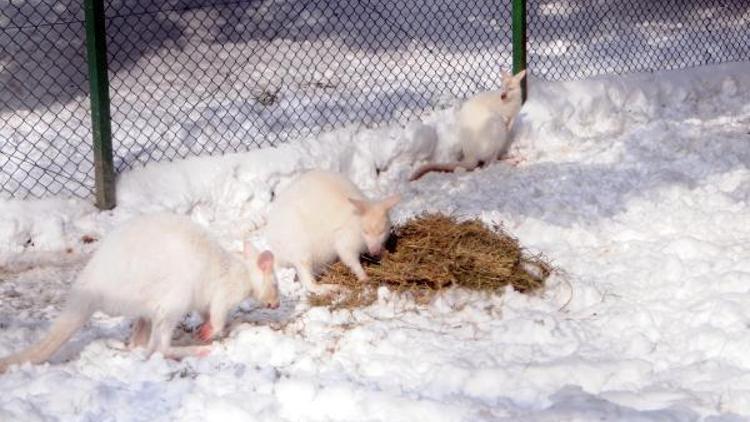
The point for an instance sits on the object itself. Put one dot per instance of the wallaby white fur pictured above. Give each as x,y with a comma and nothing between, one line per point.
158,268
484,122
323,215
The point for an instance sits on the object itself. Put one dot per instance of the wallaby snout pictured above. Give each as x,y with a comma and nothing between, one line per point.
375,251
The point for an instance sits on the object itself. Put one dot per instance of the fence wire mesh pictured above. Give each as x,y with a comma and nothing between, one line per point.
577,39
193,77
233,76
45,128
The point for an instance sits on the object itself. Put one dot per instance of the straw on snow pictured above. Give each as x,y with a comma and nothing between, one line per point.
433,252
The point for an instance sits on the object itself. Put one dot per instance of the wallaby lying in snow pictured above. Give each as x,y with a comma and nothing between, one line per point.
484,123
322,215
157,269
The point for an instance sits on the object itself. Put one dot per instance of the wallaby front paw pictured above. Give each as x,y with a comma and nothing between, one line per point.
514,160
363,278
203,351
205,332
324,289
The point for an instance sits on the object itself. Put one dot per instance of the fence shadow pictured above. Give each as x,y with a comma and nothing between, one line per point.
44,58
43,47
374,26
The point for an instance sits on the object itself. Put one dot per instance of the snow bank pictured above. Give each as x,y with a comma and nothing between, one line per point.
651,113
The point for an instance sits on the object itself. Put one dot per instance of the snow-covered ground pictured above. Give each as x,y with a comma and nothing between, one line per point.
637,188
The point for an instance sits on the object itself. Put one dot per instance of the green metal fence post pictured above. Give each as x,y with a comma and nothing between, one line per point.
96,50
519,40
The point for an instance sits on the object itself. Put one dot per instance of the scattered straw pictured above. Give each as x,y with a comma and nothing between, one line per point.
434,252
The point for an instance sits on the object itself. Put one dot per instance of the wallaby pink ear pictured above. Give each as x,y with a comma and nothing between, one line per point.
361,206
248,250
391,201
265,261
520,75
504,74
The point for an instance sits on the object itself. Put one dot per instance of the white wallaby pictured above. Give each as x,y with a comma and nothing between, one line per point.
484,123
158,268
323,215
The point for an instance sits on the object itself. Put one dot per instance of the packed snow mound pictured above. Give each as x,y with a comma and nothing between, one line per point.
605,107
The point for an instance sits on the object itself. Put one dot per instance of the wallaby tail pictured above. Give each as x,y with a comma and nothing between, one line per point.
447,167
62,329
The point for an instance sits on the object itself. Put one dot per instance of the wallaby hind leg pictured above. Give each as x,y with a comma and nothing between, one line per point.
469,164
161,341
141,333
514,160
161,335
306,276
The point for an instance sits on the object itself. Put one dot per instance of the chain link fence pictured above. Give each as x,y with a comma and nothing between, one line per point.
45,128
191,77
571,39
239,75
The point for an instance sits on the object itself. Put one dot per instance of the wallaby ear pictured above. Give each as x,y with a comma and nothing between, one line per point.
265,261
504,74
248,250
520,75
361,206
391,201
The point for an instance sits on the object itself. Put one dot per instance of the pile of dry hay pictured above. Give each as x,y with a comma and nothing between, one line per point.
433,252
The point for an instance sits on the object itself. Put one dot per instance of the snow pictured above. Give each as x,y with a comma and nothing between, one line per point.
636,187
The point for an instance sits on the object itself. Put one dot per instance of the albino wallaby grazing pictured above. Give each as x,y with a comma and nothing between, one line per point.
484,123
157,269
322,215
